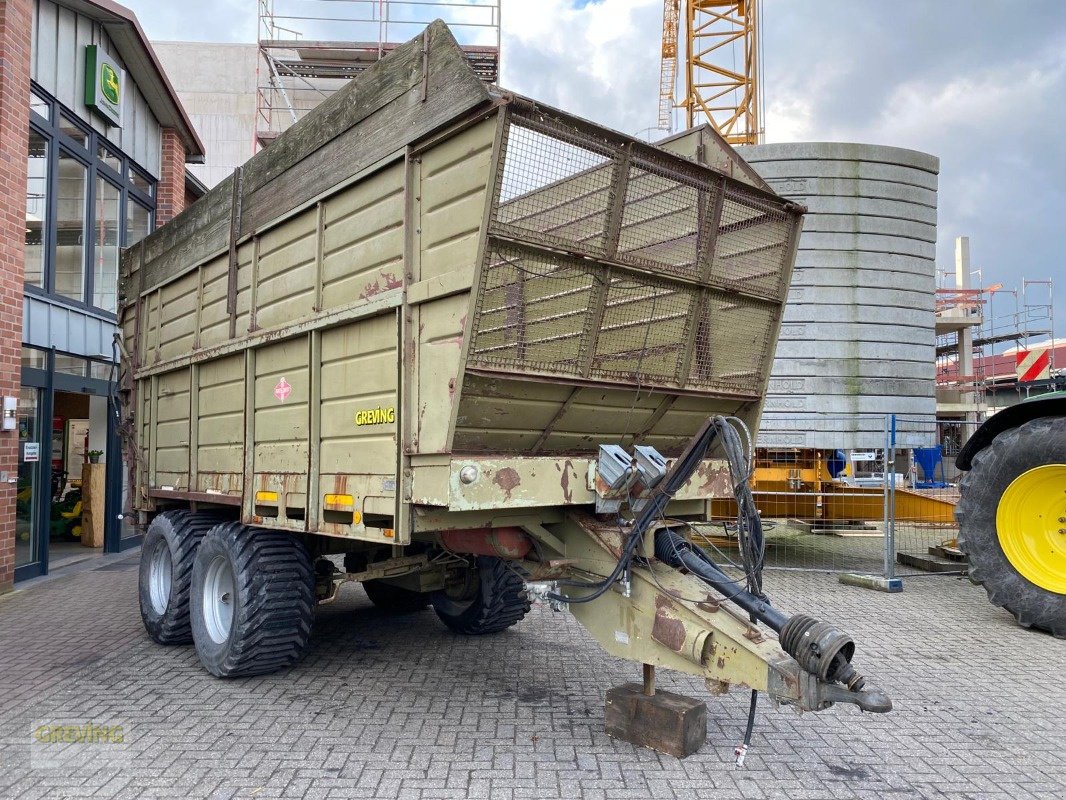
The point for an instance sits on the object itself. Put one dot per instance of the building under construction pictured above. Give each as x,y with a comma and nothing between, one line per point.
995,345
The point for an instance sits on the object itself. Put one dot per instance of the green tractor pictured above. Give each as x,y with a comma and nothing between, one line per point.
1012,513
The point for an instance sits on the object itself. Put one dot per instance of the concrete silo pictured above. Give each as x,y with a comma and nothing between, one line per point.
858,341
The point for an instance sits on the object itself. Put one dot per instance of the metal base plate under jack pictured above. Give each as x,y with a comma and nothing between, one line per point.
667,722
872,582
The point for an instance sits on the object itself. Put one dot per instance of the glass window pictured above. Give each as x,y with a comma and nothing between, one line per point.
26,498
106,157
106,245
39,105
138,222
73,130
139,181
33,358
102,371
71,365
70,229
36,209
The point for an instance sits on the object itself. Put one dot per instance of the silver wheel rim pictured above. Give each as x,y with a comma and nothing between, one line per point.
218,600
160,576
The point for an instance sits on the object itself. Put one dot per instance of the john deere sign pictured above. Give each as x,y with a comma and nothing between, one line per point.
103,85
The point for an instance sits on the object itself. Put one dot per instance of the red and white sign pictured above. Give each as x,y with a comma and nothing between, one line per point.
1033,365
282,390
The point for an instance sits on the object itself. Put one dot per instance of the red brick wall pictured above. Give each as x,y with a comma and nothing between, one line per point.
15,30
170,193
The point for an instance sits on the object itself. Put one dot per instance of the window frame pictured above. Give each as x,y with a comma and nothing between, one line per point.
48,128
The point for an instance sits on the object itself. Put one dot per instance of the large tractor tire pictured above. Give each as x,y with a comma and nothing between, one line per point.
166,574
1012,522
488,598
394,599
253,596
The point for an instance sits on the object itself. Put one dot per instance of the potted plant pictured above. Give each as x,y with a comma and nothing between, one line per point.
94,456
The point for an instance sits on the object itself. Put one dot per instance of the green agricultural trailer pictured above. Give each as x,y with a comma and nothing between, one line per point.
476,350
1012,510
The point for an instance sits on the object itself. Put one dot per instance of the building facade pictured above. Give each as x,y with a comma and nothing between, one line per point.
93,148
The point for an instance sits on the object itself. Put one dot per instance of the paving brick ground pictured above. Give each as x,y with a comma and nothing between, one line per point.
382,709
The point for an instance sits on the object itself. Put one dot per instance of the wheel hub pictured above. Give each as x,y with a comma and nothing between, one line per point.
160,576
1031,526
218,600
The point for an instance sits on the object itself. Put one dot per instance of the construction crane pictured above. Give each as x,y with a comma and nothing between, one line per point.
722,66
668,71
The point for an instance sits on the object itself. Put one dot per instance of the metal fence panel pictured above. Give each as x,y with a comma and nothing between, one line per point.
924,525
823,508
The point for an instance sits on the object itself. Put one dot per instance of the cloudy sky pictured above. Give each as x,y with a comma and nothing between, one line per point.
979,83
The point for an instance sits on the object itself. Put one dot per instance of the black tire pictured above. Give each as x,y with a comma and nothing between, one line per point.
394,599
493,599
271,603
171,540
1012,452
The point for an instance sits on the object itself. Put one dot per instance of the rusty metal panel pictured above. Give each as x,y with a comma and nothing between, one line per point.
170,434
220,441
358,446
453,182
358,375
285,276
149,344
705,145
141,448
501,413
752,249
178,315
440,350
244,320
281,393
362,239
214,318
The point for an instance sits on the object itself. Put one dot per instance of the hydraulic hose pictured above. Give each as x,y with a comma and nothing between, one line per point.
679,474
675,551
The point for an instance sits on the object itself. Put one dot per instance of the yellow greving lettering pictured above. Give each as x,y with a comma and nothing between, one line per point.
376,416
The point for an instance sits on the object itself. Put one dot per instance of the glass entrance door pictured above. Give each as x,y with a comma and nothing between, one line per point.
29,548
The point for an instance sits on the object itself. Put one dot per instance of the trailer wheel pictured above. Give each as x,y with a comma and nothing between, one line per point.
253,595
166,574
394,599
487,598
1012,522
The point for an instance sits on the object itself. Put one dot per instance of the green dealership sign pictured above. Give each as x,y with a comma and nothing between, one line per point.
103,85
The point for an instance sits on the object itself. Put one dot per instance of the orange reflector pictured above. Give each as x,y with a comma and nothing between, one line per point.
388,533
356,517
339,500
266,497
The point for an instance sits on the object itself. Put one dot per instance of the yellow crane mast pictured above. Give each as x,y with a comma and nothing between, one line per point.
722,63
668,70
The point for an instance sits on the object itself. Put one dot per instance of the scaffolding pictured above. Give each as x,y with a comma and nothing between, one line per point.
1003,322
310,48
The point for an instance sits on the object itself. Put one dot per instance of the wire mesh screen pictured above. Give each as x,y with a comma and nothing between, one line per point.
752,246
555,189
642,336
663,220
599,265
533,310
733,341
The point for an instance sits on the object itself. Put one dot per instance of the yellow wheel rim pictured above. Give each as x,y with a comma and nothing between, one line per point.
1031,524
